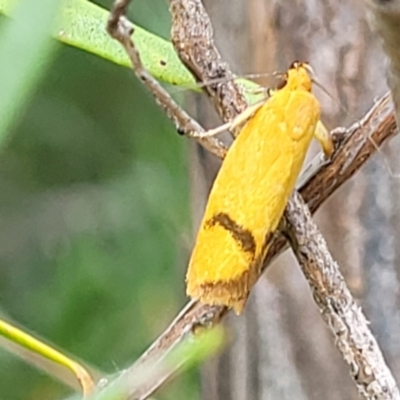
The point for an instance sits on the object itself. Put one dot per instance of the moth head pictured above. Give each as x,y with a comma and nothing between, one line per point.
300,76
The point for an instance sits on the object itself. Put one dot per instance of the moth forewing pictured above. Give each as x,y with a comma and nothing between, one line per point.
250,193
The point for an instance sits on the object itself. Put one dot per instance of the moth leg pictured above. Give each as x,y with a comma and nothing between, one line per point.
236,123
325,139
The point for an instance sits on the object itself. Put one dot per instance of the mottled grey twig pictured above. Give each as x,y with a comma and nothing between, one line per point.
192,36
343,316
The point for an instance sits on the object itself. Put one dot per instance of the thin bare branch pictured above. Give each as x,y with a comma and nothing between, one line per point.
121,29
343,316
355,145
184,327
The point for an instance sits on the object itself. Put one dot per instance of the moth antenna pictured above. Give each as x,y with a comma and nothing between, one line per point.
326,91
257,75
200,85
220,80
309,69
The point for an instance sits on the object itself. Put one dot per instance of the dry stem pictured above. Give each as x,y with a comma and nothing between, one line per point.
340,312
121,29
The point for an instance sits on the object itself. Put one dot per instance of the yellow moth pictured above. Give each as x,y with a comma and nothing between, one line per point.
251,190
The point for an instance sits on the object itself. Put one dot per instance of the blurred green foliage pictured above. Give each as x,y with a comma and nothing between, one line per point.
25,47
82,24
94,218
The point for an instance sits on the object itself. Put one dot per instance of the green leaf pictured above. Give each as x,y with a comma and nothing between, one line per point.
25,49
41,349
83,25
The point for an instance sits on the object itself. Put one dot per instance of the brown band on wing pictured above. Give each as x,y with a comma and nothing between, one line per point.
241,235
231,293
